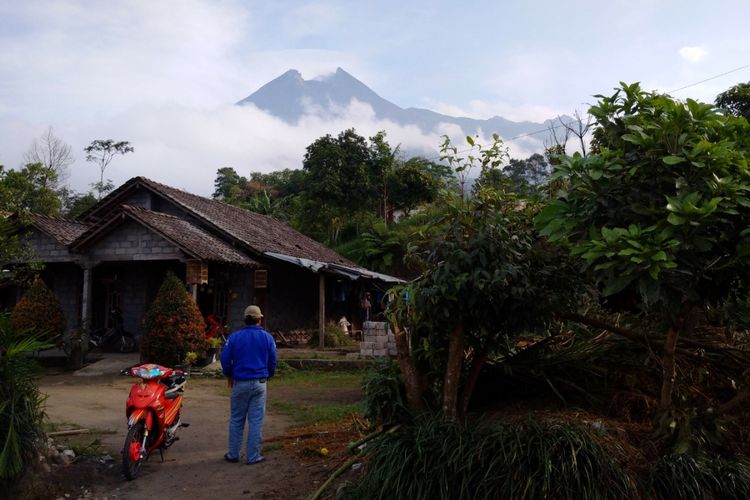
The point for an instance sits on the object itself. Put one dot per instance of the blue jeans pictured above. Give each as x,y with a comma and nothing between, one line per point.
248,402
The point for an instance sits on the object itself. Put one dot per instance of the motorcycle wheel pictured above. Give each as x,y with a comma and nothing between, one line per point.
126,344
132,453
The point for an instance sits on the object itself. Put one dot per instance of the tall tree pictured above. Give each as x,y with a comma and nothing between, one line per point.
53,153
736,100
102,152
659,211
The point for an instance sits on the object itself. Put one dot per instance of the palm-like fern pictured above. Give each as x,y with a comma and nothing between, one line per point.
20,400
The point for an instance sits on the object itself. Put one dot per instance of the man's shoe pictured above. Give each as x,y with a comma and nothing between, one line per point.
256,460
230,459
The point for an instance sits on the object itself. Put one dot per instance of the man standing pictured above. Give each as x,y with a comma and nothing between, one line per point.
248,360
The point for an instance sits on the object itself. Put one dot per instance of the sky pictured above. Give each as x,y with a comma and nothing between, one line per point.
165,75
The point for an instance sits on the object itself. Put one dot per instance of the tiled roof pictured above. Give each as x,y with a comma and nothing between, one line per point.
259,232
188,237
61,229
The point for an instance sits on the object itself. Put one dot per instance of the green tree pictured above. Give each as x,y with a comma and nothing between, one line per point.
77,204
529,174
736,100
102,152
659,211
229,185
412,183
30,189
489,278
338,172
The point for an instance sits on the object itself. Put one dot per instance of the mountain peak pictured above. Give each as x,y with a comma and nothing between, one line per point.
291,97
292,73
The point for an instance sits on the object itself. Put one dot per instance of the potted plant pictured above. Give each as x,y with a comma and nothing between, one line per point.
213,352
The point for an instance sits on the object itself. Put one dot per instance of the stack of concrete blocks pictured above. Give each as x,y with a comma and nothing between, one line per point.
377,340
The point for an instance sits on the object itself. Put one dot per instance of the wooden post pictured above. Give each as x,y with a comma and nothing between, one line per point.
322,310
194,290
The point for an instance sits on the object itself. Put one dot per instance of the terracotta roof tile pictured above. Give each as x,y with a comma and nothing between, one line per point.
259,232
189,237
61,229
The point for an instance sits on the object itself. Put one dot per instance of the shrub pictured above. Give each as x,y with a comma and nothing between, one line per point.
385,394
21,403
39,312
173,325
442,459
700,476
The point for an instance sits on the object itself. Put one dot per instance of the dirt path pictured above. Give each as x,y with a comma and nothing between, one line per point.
194,467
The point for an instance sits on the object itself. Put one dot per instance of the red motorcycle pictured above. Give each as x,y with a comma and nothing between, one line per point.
153,411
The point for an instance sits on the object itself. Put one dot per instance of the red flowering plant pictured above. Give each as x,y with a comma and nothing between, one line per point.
173,326
39,312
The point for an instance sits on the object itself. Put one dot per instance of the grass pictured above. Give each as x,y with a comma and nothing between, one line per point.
315,396
306,414
318,379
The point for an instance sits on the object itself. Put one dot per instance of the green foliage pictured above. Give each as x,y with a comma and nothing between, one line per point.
385,395
30,189
736,100
173,325
440,459
339,172
228,184
700,477
659,209
488,275
79,203
21,404
39,312
414,182
334,337
12,250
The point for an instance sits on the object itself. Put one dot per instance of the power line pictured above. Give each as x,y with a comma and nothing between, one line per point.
711,78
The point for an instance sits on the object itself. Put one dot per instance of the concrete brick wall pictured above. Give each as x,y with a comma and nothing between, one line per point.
377,340
46,249
65,280
131,241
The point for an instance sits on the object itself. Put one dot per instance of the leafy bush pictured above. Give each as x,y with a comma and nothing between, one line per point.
700,476
39,312
173,325
385,395
334,337
442,459
21,403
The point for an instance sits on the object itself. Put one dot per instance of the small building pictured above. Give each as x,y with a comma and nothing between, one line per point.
116,255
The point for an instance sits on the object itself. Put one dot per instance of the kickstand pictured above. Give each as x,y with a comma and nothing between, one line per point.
161,452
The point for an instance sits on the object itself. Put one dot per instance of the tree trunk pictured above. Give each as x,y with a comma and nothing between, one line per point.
471,381
453,371
412,379
668,357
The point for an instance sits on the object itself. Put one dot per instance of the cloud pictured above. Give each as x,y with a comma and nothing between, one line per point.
483,110
693,54
184,146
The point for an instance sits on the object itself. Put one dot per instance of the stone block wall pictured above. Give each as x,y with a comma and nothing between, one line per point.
377,340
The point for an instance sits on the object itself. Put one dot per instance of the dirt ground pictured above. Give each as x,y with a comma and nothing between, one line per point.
194,466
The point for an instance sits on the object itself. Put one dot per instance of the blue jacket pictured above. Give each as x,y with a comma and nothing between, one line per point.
250,353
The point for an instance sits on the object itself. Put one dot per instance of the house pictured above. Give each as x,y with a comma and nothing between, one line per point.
115,256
